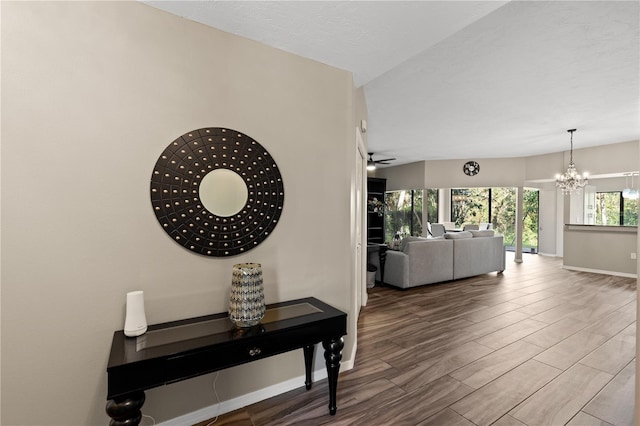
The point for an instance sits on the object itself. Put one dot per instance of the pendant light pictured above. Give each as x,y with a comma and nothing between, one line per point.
570,180
630,193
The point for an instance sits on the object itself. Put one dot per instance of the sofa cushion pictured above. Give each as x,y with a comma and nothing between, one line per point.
458,235
483,233
405,240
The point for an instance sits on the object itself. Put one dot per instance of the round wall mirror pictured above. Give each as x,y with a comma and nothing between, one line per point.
223,192
217,192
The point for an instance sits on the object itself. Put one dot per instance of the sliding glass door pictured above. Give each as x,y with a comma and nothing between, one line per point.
497,206
470,205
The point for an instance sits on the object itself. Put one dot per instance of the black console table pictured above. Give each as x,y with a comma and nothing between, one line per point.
382,256
179,350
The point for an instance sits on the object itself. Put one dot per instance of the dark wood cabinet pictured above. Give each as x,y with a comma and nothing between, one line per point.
376,187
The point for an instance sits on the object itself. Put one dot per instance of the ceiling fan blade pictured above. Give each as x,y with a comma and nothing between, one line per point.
374,162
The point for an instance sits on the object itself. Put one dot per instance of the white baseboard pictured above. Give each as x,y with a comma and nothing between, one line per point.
600,271
250,398
547,254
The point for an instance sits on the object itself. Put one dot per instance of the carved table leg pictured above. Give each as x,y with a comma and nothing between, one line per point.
333,355
382,257
125,411
308,361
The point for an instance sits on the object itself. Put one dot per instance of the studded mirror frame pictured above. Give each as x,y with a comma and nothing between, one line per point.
175,192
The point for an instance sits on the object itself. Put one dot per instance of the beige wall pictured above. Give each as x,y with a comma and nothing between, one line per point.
92,94
493,172
503,172
449,174
605,159
600,249
536,171
546,166
360,109
610,250
406,176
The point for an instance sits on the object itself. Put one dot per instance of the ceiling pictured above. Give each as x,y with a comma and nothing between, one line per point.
463,79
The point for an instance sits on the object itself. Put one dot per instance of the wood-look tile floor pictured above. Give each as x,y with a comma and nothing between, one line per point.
537,345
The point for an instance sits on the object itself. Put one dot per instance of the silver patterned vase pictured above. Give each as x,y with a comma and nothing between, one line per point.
246,303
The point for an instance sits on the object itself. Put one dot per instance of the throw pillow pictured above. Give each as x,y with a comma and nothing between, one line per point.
458,235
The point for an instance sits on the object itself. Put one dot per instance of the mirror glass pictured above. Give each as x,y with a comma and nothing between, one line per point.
223,192
605,201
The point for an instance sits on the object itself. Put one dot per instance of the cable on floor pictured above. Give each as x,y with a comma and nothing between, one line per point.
215,392
149,417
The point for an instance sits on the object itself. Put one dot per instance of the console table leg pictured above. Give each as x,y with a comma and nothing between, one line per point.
333,355
125,411
382,257
308,362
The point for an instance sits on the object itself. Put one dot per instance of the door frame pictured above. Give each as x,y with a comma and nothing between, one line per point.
360,268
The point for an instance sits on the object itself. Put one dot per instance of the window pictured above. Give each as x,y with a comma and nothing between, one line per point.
503,213
432,206
469,205
498,207
403,213
630,212
608,209
613,209
503,217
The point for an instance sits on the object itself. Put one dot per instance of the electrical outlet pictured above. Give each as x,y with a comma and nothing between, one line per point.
633,256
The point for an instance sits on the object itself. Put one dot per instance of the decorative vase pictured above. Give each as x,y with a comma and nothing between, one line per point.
246,303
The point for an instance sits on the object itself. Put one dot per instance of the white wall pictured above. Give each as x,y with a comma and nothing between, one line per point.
92,94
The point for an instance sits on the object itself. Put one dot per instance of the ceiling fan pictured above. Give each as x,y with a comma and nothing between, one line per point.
371,163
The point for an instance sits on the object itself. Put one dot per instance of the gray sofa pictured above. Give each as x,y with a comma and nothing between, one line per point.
457,255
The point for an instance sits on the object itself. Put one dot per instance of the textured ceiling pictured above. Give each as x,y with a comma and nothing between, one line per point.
459,79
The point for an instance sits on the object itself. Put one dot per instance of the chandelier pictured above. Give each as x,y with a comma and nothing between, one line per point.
570,180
